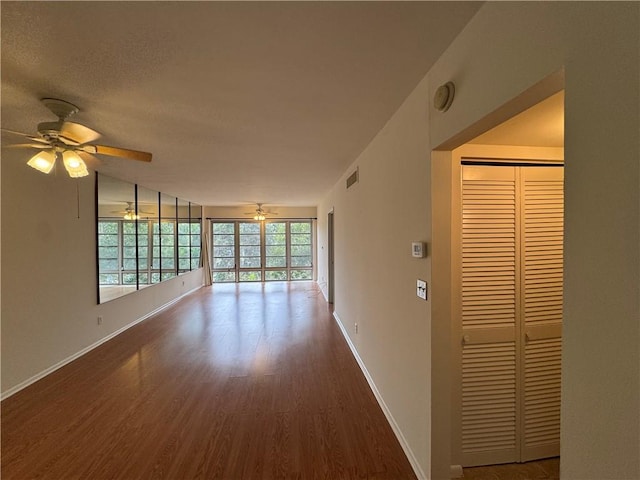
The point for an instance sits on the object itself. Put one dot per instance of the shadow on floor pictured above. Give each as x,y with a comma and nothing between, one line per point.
548,469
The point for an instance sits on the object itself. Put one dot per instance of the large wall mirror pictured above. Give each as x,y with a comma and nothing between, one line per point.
143,237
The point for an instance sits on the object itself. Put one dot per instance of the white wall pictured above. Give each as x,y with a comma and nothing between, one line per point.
49,308
505,50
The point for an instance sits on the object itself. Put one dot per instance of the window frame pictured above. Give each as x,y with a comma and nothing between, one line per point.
234,274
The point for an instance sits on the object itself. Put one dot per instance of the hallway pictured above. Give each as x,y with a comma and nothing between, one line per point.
236,381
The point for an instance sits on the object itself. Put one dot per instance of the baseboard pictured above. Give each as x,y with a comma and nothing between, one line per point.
76,355
387,413
456,471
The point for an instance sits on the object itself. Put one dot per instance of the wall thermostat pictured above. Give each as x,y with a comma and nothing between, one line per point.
418,249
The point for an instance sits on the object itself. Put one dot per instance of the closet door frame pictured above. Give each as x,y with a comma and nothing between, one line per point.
491,154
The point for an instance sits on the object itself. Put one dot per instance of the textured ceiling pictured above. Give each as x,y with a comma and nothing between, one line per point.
239,102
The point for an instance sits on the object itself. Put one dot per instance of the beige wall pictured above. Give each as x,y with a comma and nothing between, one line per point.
507,49
49,310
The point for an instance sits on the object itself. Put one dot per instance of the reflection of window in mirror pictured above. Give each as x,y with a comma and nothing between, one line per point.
184,237
195,223
115,235
144,237
149,211
167,237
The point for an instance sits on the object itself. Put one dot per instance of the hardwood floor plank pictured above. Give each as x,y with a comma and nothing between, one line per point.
250,381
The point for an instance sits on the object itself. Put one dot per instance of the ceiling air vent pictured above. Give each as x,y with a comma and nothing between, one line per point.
353,178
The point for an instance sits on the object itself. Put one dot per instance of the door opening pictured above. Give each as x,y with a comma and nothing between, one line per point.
512,143
331,258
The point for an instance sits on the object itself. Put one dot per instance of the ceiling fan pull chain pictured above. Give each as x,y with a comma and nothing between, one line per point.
78,197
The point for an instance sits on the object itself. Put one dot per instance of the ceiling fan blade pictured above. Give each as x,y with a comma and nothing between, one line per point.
30,137
28,145
75,134
118,152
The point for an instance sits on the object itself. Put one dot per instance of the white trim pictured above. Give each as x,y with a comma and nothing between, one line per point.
456,471
387,413
76,355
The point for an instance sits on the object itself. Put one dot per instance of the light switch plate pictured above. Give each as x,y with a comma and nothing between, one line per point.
421,289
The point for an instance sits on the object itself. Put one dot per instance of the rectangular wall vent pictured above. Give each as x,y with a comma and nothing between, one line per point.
353,178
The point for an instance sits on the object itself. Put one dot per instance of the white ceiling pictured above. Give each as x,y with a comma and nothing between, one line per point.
239,102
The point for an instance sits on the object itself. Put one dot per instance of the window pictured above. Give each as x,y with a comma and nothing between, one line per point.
224,256
275,250
247,251
301,251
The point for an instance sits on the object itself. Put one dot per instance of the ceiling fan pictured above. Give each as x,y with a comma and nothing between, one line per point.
71,140
260,213
130,212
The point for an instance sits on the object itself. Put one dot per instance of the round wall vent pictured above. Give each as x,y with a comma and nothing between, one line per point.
443,98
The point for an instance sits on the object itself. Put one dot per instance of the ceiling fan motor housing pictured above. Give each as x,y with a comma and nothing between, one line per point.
52,132
60,108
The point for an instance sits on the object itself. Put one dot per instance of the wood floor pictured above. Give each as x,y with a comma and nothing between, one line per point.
249,381
547,469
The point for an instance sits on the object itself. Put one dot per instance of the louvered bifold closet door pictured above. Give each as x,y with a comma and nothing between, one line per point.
489,308
542,246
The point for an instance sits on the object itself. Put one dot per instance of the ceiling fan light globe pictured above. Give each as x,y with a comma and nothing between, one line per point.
43,161
79,173
74,164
